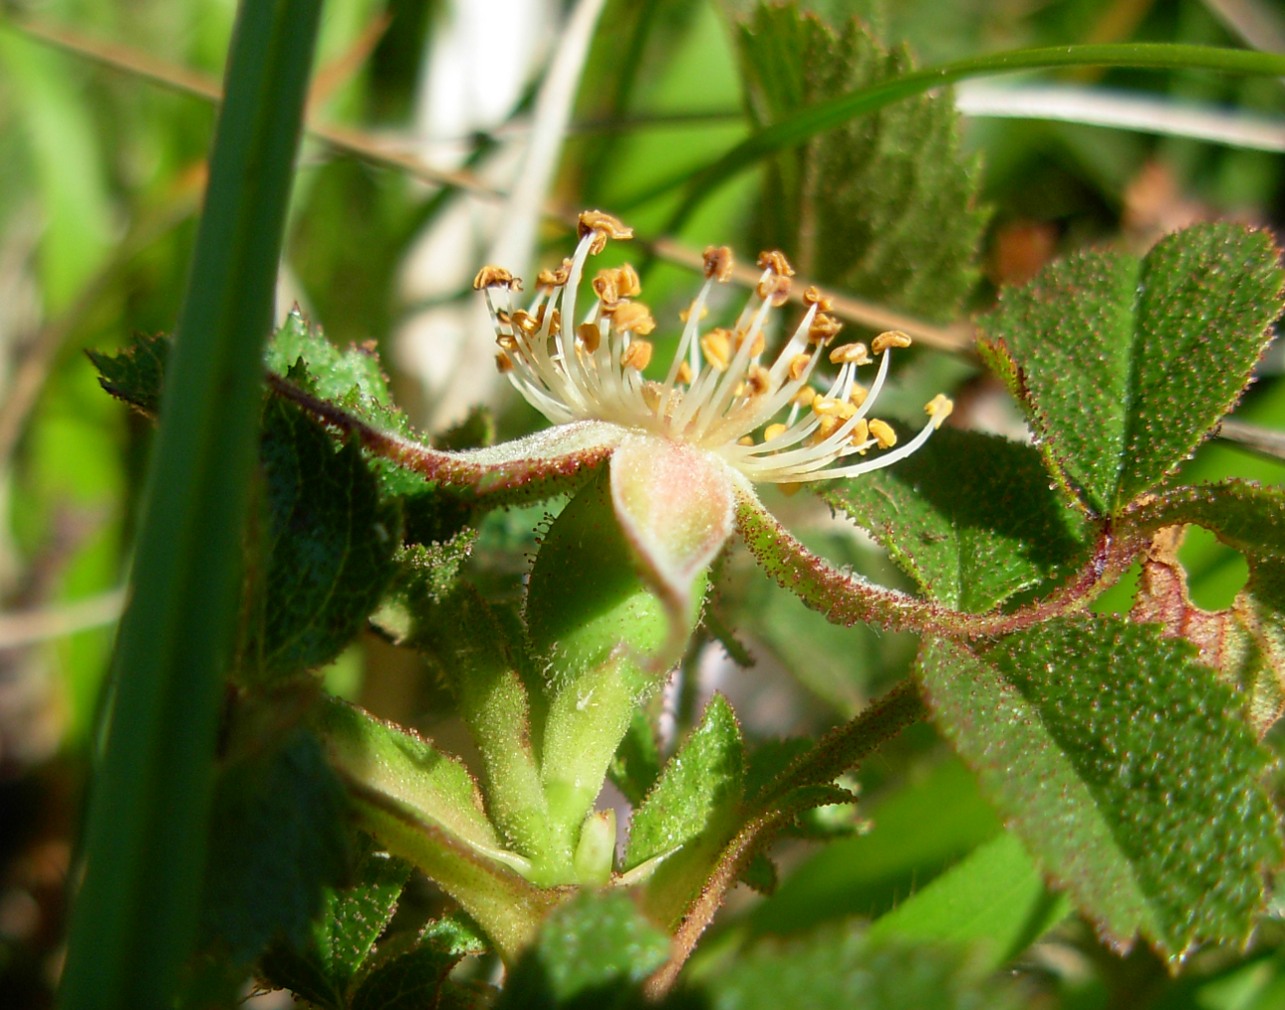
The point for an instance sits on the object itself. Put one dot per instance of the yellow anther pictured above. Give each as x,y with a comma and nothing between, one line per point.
627,282
686,313
855,354
775,288
828,406
812,296
759,380
637,354
774,431
858,395
939,408
651,394
717,348
798,365
775,261
718,262
882,433
827,427
525,322
823,329
805,396
634,317
496,277
889,338
604,286
860,432
507,341
602,227
745,440
555,278
684,372
590,336
503,363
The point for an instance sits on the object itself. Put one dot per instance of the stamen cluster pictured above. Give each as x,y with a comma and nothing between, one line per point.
771,420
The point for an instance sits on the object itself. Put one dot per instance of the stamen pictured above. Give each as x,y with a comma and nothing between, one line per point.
889,338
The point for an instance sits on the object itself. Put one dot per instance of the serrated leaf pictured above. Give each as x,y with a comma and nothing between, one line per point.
839,967
278,837
697,789
352,379
993,901
1246,642
344,934
1123,365
325,554
1124,768
885,205
413,974
969,516
135,375
593,947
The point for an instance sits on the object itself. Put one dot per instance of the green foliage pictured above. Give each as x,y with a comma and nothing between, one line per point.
325,551
591,952
1124,364
342,937
1093,737
135,375
886,205
278,839
839,967
970,517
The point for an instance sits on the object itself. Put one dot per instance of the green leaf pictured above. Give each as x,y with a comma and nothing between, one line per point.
413,975
885,205
969,516
343,935
278,838
136,374
1125,769
1246,642
839,967
699,785
994,900
594,947
1123,365
326,552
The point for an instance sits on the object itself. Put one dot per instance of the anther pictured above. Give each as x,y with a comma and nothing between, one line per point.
855,354
775,261
634,317
824,328
812,296
496,277
939,408
503,363
637,354
602,227
881,432
717,347
774,431
799,365
889,338
860,432
590,336
555,278
718,263
858,395
759,380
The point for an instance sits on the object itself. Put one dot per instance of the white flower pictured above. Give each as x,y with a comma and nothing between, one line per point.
767,420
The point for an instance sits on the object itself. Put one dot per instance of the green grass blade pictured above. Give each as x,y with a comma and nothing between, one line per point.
134,920
827,115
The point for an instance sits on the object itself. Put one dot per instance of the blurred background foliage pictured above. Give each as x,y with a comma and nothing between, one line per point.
531,111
